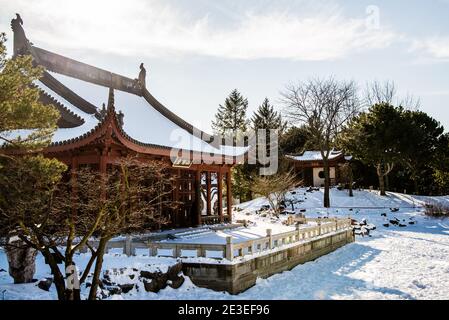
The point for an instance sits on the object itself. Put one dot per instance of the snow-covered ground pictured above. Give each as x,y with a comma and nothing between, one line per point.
409,262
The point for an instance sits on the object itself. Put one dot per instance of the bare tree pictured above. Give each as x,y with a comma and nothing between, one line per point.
378,92
69,213
324,106
274,188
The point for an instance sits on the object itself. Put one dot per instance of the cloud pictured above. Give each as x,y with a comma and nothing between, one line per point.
436,47
156,28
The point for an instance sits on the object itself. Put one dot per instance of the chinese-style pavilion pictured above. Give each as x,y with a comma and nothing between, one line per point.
105,116
310,167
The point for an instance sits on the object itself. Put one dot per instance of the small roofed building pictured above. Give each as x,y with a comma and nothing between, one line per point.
310,168
105,116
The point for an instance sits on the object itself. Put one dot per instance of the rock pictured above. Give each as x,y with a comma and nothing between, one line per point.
148,275
176,283
107,281
174,270
21,261
115,289
151,286
45,284
126,287
132,276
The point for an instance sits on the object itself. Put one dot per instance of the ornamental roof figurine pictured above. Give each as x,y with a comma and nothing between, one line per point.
20,39
142,76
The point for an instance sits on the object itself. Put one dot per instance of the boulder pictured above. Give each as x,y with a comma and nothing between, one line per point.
174,270
45,284
148,275
21,261
114,290
394,222
158,282
176,283
126,287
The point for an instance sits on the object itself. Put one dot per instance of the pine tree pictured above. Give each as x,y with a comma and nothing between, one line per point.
231,117
266,118
20,107
230,120
25,124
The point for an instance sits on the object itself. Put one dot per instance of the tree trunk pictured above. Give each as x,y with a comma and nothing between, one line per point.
97,271
351,181
58,278
415,183
380,174
21,261
326,201
75,294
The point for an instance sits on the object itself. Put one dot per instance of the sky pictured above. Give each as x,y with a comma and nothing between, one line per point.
197,51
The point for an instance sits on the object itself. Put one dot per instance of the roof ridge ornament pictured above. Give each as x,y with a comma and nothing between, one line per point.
142,76
111,99
20,40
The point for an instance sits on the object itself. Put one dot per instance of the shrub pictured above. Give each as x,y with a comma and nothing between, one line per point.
437,210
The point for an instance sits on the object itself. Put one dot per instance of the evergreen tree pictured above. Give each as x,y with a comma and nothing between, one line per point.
20,107
231,117
295,140
230,120
419,148
266,118
376,138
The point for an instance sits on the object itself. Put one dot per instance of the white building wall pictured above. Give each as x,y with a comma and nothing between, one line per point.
317,181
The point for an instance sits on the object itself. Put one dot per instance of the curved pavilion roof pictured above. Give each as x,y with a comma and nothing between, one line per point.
79,90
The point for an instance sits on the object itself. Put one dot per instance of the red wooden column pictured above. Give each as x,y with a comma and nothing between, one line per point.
229,195
175,196
208,193
220,195
198,197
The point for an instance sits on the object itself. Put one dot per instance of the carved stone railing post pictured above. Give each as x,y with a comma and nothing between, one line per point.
270,236
129,250
229,249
